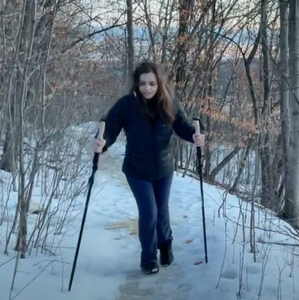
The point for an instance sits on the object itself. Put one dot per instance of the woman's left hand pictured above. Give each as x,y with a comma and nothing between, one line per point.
199,139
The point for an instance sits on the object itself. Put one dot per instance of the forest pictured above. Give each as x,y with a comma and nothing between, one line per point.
63,63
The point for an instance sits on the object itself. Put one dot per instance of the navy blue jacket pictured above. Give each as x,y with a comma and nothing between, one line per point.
148,152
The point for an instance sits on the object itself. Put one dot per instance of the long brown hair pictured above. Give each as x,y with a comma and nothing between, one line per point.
164,93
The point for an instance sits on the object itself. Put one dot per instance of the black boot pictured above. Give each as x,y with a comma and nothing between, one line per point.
151,268
166,254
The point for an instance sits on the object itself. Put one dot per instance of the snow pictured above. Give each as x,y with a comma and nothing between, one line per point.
108,263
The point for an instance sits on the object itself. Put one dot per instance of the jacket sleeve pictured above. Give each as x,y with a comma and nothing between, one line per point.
114,123
181,126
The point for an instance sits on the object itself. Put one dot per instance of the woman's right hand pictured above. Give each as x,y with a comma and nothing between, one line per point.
98,145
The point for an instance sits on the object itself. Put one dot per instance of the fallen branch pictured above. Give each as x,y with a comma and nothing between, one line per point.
277,243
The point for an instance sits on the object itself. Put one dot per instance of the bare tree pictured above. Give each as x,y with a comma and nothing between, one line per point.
130,29
292,187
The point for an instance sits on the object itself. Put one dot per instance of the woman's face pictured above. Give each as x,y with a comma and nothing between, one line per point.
148,85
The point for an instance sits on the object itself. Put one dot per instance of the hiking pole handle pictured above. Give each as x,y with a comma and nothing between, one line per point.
100,134
197,125
102,128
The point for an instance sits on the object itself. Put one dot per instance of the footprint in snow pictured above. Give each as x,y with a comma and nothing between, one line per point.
230,274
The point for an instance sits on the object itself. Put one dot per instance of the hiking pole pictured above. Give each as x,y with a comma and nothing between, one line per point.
90,182
197,123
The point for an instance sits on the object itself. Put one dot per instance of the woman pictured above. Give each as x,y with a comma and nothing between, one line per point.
149,116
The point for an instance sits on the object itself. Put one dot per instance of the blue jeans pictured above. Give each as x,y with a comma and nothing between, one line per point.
152,199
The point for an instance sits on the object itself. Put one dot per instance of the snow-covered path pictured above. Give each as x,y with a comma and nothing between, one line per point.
171,282
108,264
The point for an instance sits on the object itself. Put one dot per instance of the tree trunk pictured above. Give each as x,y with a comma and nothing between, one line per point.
130,41
28,33
210,93
292,186
284,87
184,16
11,25
268,194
